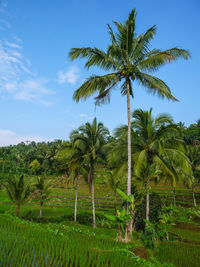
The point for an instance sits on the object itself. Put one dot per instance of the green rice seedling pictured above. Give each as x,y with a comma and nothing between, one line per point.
179,253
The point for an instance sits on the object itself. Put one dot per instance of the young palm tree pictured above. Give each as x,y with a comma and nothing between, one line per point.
157,149
18,191
91,138
128,58
42,191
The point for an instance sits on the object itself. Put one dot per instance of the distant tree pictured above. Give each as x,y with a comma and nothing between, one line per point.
192,133
35,167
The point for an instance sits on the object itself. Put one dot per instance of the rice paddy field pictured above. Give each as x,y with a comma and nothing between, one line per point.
55,240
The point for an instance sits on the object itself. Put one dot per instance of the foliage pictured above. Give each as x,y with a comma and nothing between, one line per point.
35,167
121,219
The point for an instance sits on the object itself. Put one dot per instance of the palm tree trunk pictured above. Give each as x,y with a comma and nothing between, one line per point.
147,200
129,226
41,205
93,206
193,194
115,202
76,200
18,209
129,141
91,189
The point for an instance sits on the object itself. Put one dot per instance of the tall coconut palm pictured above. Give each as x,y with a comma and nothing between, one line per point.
18,191
91,138
129,58
158,149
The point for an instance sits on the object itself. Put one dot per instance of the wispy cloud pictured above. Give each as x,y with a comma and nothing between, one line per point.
8,137
3,5
13,45
32,89
70,76
3,22
16,77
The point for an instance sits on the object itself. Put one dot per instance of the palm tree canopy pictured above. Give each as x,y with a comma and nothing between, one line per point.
129,57
158,146
90,138
17,189
88,142
155,144
42,188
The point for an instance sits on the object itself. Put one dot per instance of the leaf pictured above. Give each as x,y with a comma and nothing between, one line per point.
123,195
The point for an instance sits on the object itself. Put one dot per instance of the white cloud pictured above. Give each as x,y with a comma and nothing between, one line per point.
32,89
12,64
17,79
8,137
13,45
70,76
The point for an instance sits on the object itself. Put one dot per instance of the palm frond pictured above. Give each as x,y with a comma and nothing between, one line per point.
95,84
155,85
143,44
153,62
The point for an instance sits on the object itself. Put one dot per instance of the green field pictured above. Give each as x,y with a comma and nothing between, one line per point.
61,242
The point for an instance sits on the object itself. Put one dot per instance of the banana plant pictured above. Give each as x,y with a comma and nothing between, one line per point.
122,218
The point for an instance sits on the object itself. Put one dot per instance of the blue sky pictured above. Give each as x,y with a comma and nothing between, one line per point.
37,79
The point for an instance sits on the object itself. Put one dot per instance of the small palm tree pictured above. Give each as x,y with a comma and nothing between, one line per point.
129,58
42,191
114,182
91,138
74,156
18,191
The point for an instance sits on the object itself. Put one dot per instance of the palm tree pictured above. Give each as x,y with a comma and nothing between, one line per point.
18,191
159,152
74,156
91,138
114,182
128,58
42,191
193,153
